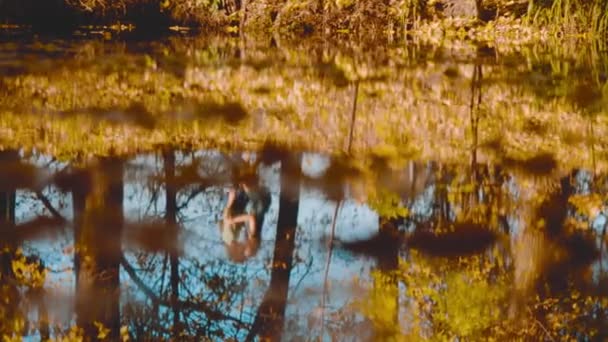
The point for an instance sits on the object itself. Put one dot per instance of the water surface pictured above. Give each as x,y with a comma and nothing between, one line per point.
416,190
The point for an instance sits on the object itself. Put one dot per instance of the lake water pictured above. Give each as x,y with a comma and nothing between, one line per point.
400,190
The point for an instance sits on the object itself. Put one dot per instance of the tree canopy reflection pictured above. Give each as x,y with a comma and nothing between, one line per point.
416,192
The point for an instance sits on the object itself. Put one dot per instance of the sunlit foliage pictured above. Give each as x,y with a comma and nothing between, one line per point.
19,288
182,96
470,298
452,18
496,131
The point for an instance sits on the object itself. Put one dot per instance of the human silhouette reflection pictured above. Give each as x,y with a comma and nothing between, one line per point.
245,210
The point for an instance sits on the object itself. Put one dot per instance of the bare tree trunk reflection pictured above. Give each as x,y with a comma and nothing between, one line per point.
45,329
353,116
171,221
7,196
7,211
7,251
442,208
474,113
79,196
388,262
325,293
268,323
99,248
535,250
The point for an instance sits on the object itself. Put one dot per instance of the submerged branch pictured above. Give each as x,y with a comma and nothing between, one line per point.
49,206
187,305
327,263
542,326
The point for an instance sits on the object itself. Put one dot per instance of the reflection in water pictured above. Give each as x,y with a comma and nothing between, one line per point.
270,317
246,208
98,250
446,195
127,282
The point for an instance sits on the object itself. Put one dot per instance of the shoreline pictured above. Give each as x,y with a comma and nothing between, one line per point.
499,20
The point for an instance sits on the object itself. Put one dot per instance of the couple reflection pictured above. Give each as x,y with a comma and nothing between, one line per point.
244,214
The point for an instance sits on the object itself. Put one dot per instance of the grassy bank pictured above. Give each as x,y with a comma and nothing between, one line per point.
392,19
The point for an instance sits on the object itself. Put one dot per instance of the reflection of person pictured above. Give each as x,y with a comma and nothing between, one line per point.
246,207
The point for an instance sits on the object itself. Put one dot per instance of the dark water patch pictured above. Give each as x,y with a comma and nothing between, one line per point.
451,72
535,127
152,237
379,245
587,96
38,228
260,64
230,112
335,74
332,183
73,179
581,248
136,114
262,90
273,152
15,174
541,165
461,239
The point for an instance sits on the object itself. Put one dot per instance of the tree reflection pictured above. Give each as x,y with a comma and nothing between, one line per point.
170,220
99,248
10,308
187,296
544,283
269,320
461,251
